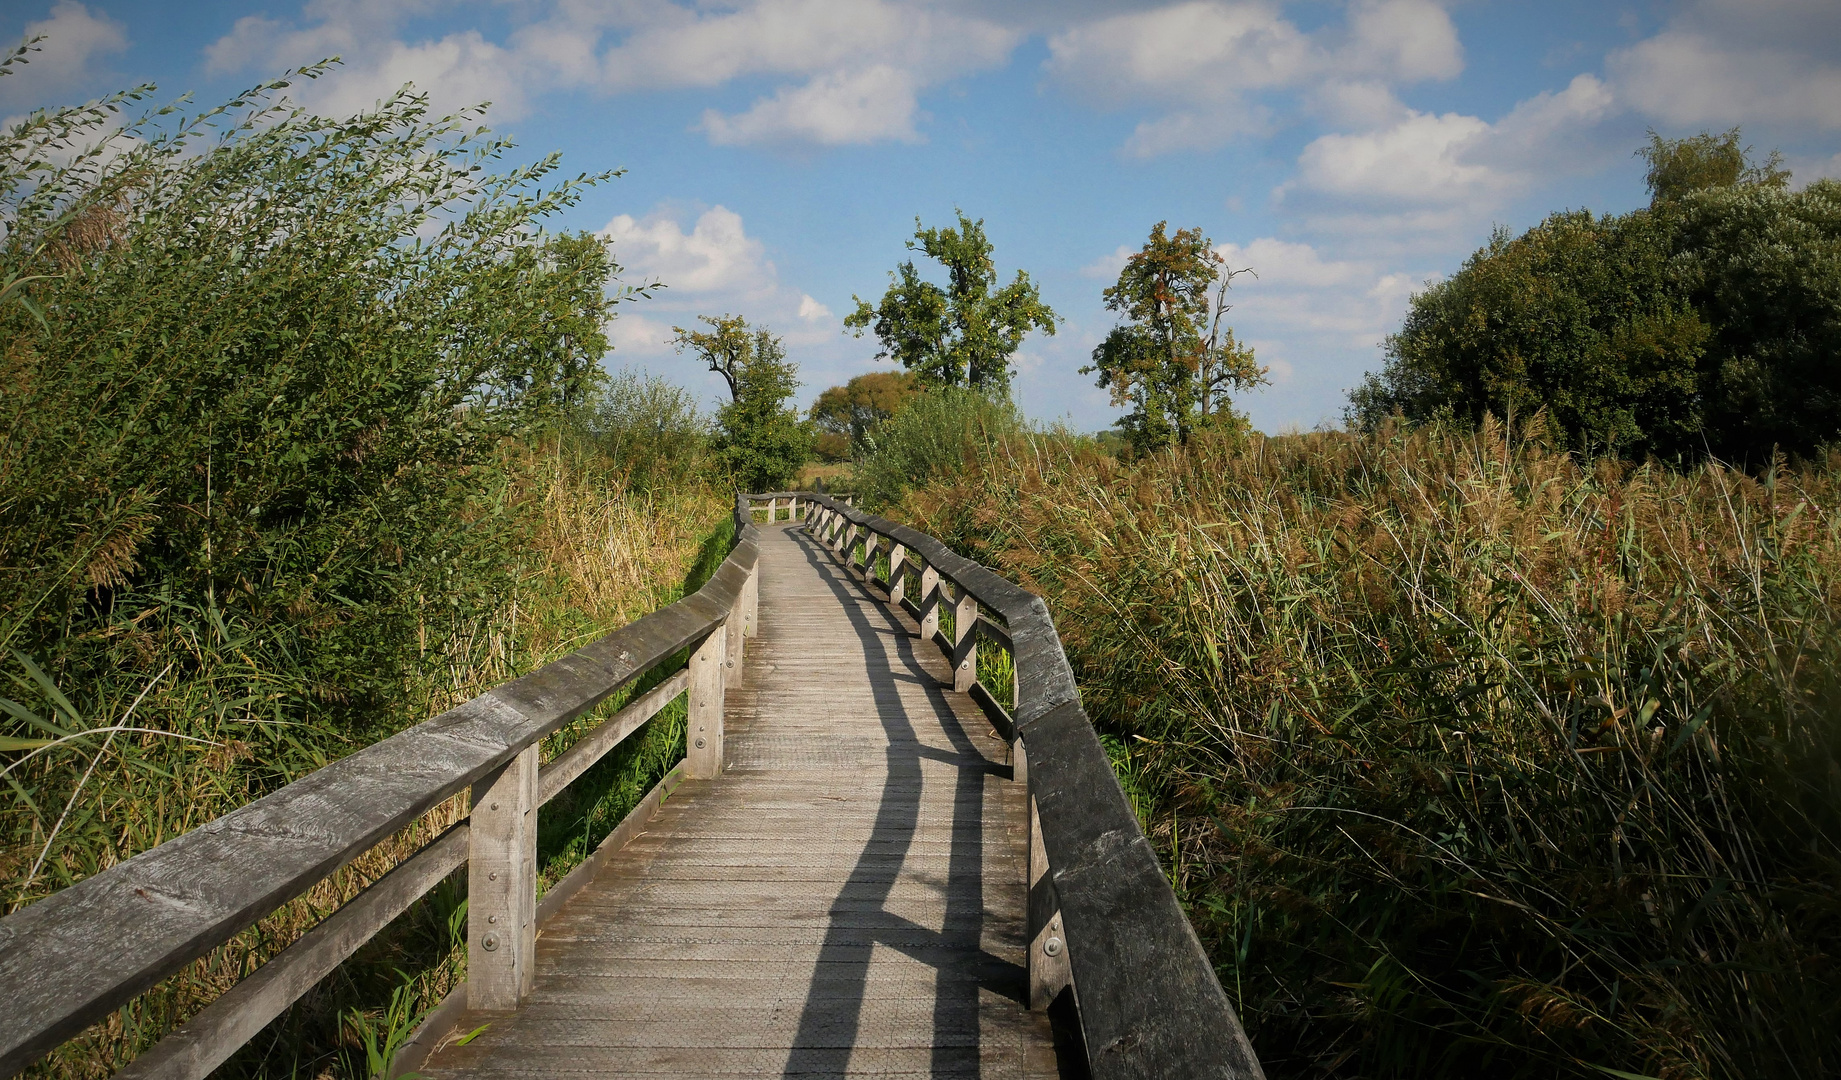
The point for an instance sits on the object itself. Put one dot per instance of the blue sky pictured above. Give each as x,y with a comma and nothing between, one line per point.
778,151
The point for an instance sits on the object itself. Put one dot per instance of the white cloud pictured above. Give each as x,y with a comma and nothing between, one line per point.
858,65
1721,62
456,71
62,64
811,310
716,257
1439,173
874,105
1208,62
1107,267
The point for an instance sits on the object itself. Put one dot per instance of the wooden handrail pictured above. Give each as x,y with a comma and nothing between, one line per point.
67,961
1106,931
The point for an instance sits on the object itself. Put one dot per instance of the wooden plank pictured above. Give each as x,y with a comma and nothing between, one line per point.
590,748
703,732
209,1038
502,886
440,1023
851,886
77,955
1150,1003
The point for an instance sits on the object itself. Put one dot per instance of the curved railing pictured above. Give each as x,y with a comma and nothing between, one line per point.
1107,938
67,961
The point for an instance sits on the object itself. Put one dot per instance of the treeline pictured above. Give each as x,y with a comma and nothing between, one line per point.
1705,324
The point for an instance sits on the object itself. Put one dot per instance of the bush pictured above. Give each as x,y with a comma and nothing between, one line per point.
649,429
937,434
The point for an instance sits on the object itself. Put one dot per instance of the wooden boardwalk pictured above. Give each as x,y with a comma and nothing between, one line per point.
847,899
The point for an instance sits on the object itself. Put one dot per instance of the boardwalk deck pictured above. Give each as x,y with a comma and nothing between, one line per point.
847,899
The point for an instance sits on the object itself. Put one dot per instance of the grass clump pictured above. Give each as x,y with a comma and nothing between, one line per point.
1464,754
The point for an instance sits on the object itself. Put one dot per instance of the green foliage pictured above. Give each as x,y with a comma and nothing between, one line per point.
849,413
965,334
282,407
1680,167
760,441
1762,265
650,429
1175,361
936,435
1702,324
1582,316
1466,757
259,395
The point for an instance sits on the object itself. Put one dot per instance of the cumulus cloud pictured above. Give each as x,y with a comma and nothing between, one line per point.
456,71
64,62
1434,173
856,67
867,106
712,267
1208,62
1721,62
716,256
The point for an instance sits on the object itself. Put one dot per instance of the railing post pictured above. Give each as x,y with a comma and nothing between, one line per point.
703,735
929,603
751,602
870,540
1049,970
898,579
965,641
773,511
502,886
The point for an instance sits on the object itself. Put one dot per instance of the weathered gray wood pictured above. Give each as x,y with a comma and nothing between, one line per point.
70,959
440,1023
898,575
965,643
502,886
593,746
1149,1001
703,734
847,899
207,1040
929,602
1049,971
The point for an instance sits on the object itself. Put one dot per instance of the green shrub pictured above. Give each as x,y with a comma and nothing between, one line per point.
935,435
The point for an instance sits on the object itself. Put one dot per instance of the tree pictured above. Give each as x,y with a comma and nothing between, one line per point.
1176,360
1578,316
965,334
1704,323
1679,167
759,438
846,414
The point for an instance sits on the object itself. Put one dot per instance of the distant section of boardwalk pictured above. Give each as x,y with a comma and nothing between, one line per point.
847,899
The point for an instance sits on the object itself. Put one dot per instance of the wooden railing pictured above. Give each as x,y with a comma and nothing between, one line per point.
67,961
1108,940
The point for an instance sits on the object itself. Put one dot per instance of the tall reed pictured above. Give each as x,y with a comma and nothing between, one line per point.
1463,753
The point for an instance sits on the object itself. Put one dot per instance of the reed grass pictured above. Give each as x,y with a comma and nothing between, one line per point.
596,557
1463,754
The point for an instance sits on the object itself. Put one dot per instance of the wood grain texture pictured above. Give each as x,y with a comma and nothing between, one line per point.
70,959
1149,1002
208,1039
848,898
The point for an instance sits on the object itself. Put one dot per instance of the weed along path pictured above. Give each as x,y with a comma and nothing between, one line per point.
846,898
